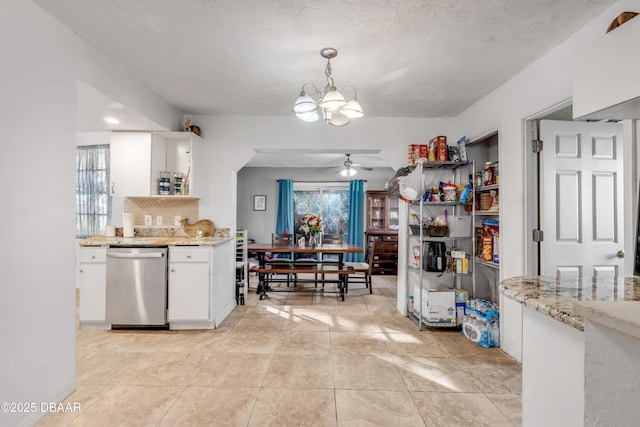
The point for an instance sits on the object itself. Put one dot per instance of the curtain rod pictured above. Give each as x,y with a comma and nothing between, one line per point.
341,182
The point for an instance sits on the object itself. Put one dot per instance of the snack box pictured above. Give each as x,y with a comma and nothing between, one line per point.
442,151
413,154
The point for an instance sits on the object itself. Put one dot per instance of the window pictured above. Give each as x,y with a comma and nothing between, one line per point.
330,201
93,202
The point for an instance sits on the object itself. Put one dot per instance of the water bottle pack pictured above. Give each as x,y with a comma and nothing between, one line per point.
483,309
481,323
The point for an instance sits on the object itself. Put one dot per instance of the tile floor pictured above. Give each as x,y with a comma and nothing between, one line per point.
295,359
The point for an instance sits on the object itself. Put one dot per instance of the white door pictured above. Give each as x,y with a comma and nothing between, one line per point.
582,204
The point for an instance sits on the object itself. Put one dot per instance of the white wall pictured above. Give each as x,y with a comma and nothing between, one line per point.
235,138
41,62
545,83
252,181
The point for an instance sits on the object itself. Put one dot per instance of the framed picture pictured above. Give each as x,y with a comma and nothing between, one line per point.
259,203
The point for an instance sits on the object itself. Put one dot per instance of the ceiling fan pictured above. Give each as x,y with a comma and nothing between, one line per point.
350,169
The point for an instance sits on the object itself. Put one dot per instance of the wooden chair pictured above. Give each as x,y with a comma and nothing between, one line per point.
330,239
362,271
308,260
285,240
242,264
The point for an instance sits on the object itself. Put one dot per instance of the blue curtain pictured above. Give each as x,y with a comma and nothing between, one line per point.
356,219
284,216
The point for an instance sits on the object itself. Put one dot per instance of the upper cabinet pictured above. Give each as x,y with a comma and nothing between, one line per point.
605,81
130,161
139,158
382,212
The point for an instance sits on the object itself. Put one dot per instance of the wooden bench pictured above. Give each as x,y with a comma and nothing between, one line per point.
265,272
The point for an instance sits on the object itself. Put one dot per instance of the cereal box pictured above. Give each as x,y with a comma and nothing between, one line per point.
442,151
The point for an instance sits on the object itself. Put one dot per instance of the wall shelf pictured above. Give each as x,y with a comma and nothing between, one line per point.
488,264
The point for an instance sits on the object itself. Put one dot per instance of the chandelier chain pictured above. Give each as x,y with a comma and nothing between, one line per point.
327,71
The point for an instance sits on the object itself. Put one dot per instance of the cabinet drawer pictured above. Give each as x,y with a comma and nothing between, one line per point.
93,255
189,254
390,238
390,247
385,264
385,257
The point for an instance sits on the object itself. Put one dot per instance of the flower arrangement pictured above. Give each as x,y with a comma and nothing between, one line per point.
311,224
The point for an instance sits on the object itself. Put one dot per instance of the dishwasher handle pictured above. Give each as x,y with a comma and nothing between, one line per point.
136,255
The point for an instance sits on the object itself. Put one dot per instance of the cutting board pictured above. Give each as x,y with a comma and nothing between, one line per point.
191,229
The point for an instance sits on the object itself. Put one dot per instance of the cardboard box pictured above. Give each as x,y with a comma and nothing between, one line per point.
441,308
461,295
413,154
442,150
462,265
424,151
465,266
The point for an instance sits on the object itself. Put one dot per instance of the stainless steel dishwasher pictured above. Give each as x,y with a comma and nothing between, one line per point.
136,286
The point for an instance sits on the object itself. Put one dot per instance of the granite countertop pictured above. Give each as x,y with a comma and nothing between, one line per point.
556,297
623,316
158,237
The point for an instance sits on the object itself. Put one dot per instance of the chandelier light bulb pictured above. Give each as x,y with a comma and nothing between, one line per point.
311,116
304,104
353,109
333,100
338,119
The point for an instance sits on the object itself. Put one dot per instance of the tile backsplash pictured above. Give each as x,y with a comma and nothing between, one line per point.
166,207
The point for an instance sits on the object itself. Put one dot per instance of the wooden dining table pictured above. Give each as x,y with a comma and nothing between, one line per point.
339,268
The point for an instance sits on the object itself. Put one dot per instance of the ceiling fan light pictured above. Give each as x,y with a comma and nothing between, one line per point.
348,172
353,109
333,99
311,116
304,104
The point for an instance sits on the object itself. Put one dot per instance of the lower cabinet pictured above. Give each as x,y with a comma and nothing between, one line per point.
196,297
91,277
189,283
385,253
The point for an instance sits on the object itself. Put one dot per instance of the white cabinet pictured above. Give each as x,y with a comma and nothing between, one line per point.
130,162
137,158
190,283
605,79
92,273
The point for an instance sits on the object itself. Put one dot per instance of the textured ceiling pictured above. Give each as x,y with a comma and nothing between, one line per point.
409,58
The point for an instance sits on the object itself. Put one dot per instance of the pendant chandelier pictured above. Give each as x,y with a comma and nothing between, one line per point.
336,110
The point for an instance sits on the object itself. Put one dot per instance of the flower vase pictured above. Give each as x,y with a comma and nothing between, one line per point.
312,240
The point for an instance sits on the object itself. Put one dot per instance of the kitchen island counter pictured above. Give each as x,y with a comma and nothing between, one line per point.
545,318
555,297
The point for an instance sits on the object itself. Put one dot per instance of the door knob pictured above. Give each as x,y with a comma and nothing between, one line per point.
620,254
